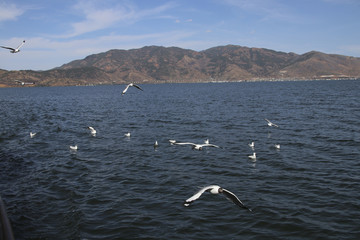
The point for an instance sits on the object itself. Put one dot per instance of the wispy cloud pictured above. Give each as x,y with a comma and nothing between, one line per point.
9,12
97,17
267,9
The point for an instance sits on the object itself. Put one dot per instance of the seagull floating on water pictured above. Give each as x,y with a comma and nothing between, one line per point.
156,144
15,50
277,146
32,134
270,124
127,134
252,145
194,145
207,141
215,189
74,148
253,156
92,131
131,85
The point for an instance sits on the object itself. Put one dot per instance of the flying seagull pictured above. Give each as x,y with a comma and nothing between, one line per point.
92,131
270,124
15,50
215,189
194,146
131,85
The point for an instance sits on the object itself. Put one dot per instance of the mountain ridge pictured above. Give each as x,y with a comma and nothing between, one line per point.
157,64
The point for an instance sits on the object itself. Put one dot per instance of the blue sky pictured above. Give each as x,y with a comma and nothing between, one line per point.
59,31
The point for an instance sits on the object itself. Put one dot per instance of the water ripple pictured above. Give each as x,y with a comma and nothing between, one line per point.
115,187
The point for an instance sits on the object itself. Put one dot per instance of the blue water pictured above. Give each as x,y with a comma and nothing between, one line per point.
114,187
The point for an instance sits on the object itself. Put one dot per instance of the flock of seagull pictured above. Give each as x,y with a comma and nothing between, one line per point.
252,144
213,189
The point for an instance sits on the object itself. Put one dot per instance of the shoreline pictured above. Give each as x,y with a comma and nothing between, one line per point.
181,82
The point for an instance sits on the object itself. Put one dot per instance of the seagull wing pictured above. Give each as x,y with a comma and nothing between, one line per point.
197,195
232,197
137,87
127,87
271,124
23,42
210,145
8,48
184,143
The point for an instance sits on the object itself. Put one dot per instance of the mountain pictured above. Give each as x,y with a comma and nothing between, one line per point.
154,64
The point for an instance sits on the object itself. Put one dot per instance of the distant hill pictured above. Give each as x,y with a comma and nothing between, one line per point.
154,64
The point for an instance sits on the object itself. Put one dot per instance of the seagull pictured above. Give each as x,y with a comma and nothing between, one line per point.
207,141
253,156
15,50
270,124
252,145
74,148
156,144
215,189
277,146
172,142
32,134
127,134
92,131
195,146
131,85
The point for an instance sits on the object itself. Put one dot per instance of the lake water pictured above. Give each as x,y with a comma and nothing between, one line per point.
115,187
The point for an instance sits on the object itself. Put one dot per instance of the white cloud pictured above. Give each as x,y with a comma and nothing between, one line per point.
9,12
97,17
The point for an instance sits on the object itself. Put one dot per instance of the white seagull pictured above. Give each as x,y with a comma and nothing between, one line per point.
127,134
252,145
156,144
215,189
207,141
74,148
92,131
131,85
32,134
253,156
270,124
195,146
15,50
277,146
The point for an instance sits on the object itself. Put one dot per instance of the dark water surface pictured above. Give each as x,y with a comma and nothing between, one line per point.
114,187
